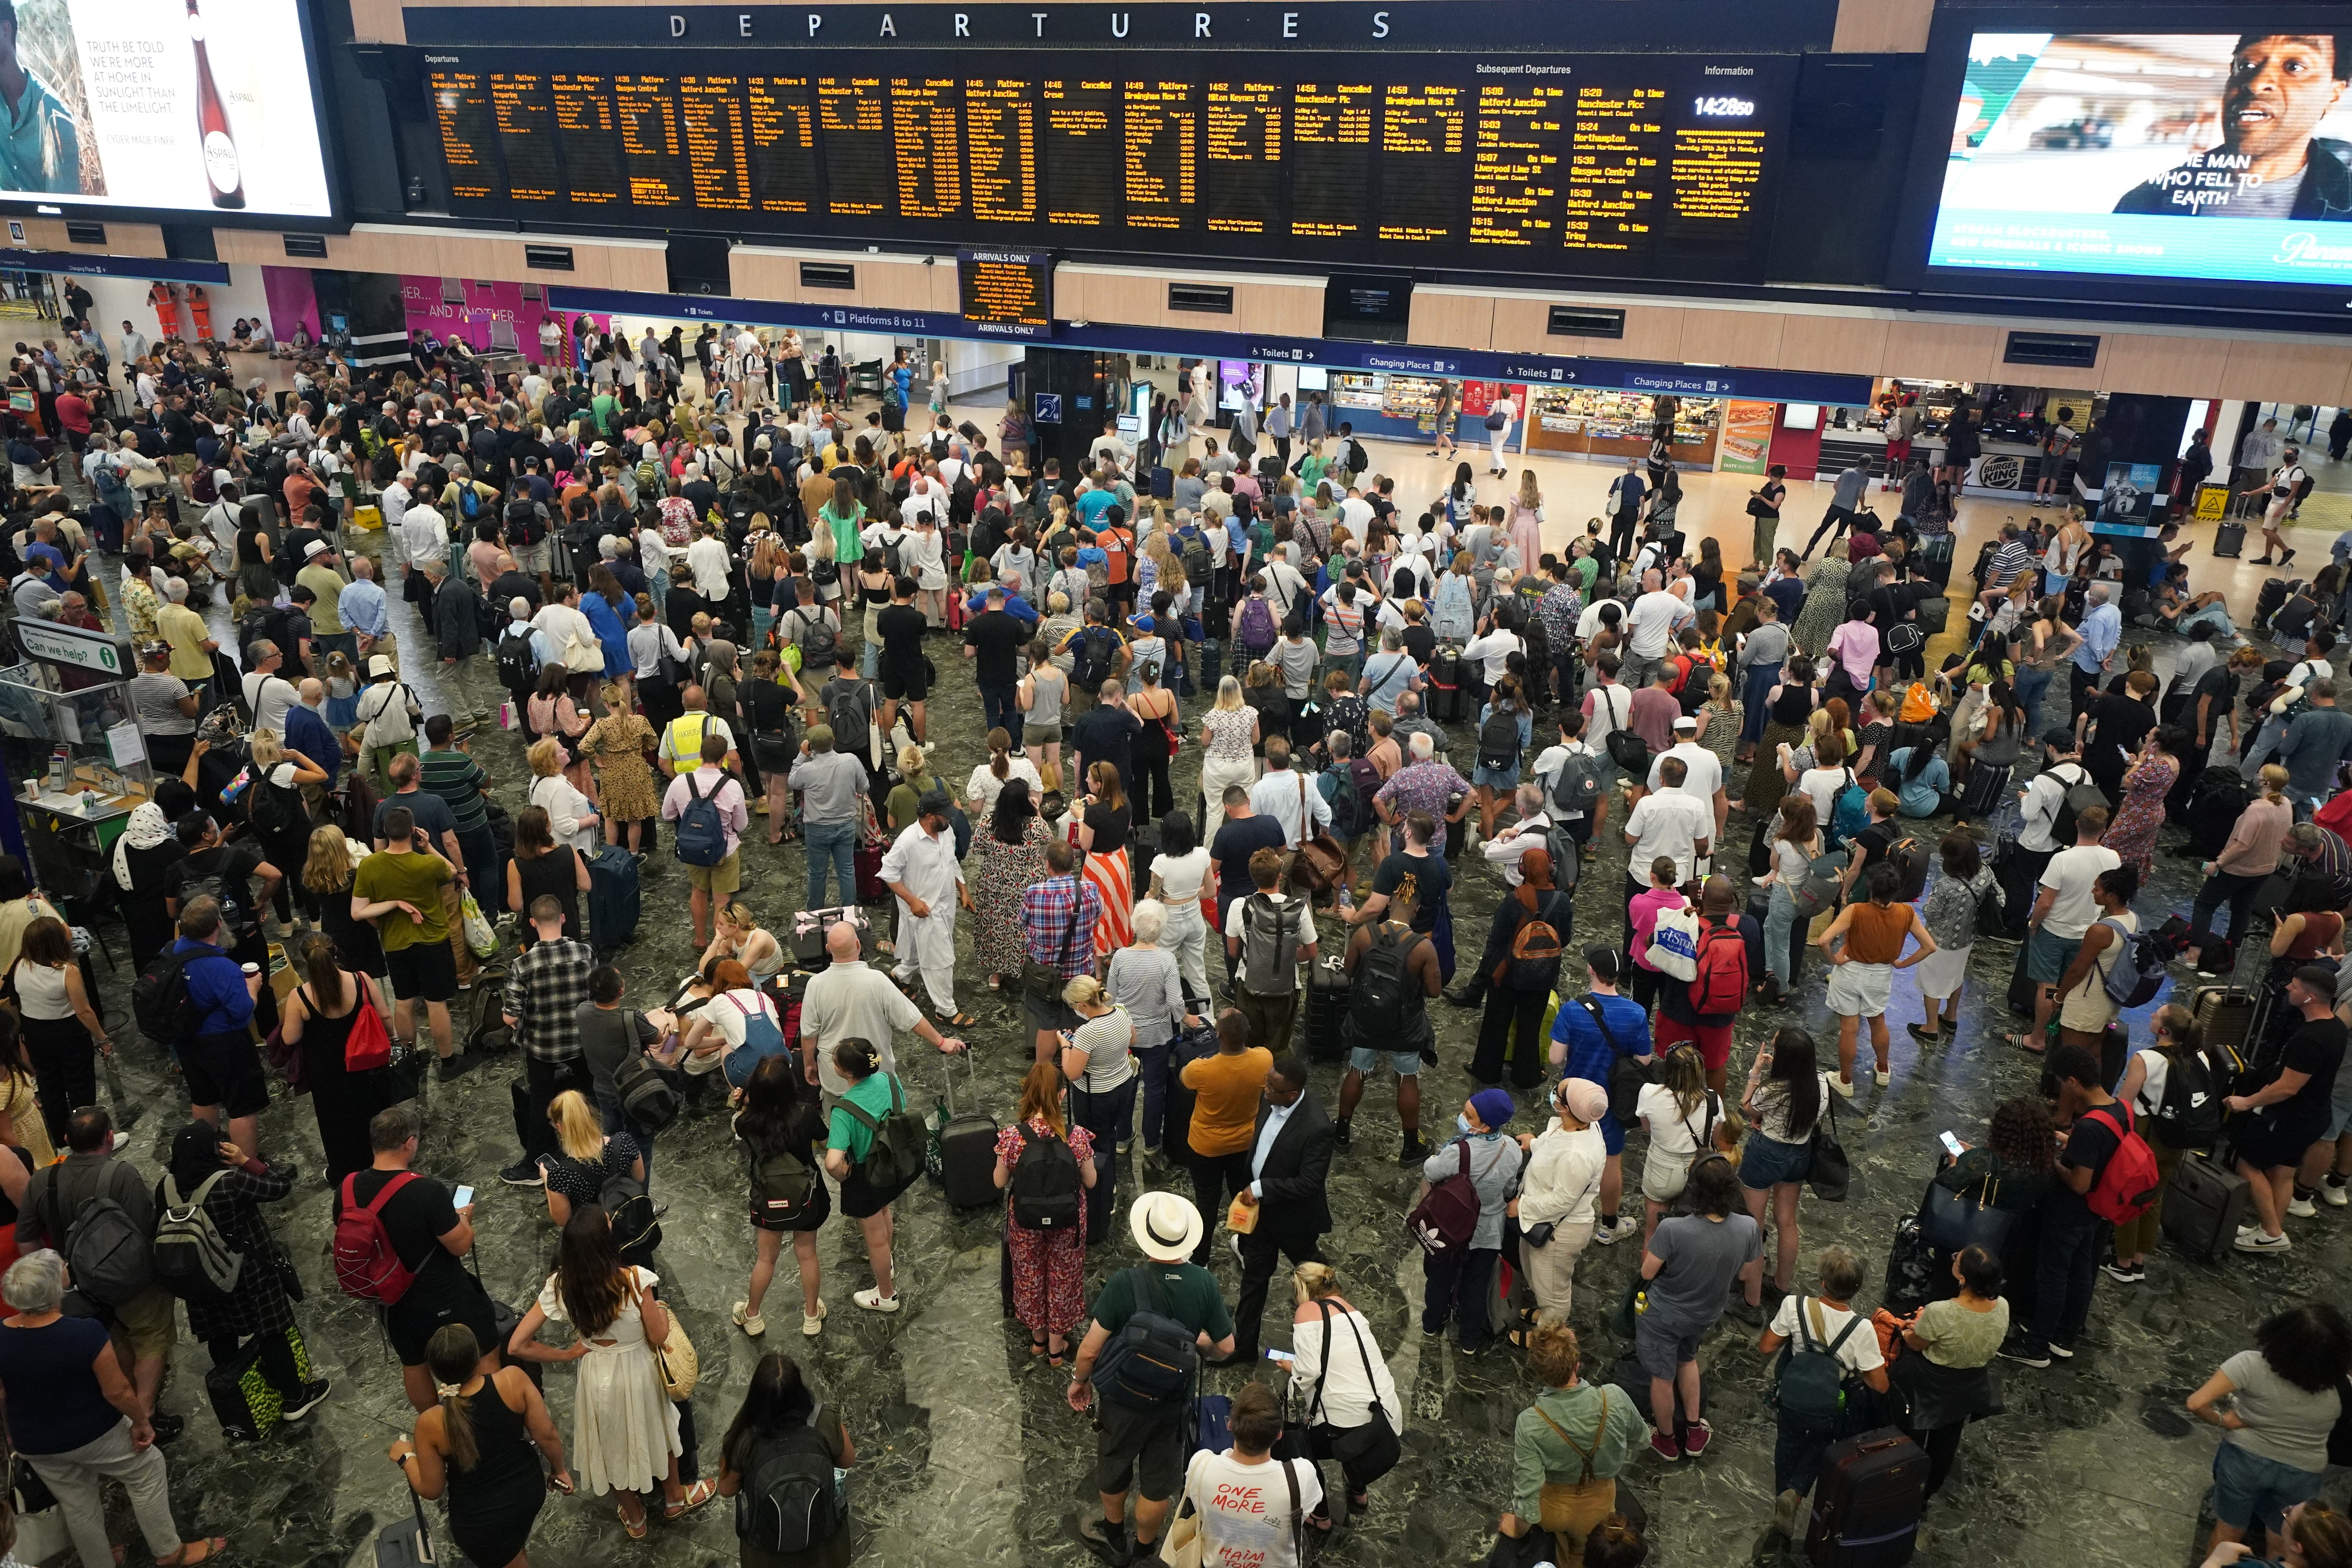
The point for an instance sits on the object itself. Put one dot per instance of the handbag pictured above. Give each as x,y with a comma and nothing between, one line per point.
681,1369
1831,1173
1184,1547
1043,982
1954,1219
1630,1308
1367,1452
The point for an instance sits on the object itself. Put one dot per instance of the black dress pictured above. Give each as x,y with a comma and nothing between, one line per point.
153,878
357,945
493,1505
344,1101
553,874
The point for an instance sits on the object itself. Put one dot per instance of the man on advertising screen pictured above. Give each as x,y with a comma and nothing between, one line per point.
2269,164
41,150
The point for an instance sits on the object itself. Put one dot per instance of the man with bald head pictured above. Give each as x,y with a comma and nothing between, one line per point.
306,731
849,1000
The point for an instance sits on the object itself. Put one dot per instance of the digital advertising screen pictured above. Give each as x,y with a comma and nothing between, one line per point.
2224,157
199,106
1634,165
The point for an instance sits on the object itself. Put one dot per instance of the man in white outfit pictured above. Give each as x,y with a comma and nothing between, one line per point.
921,869
1498,436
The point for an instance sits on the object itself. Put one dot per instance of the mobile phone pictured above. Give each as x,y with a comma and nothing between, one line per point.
1951,1145
465,1196
1285,1357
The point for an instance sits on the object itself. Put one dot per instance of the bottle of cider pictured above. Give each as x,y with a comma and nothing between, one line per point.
222,169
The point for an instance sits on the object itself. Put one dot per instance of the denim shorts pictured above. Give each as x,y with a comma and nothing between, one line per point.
1366,1059
2250,1489
1765,1162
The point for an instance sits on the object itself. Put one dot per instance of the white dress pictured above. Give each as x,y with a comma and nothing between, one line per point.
624,1428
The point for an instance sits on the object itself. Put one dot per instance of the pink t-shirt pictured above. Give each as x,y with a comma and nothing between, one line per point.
1856,645
1645,909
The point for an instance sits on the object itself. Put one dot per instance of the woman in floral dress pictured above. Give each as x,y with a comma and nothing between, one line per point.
2146,782
1049,1266
617,744
1008,854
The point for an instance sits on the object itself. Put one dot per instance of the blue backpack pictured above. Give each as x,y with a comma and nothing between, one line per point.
1849,812
701,831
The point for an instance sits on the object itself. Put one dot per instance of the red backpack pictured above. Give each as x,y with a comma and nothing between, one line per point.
366,1263
1721,984
2128,1182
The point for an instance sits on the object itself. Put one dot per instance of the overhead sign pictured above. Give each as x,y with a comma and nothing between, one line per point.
102,651
1555,370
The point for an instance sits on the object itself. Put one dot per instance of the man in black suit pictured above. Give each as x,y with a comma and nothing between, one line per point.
1290,1162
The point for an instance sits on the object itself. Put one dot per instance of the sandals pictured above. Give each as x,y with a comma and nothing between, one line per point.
2026,1043
636,1532
213,1546
701,1492
957,1020
1036,1347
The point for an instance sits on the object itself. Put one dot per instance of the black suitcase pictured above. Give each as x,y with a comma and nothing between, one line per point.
1192,1045
1445,703
966,1146
247,1405
2230,540
405,1542
2203,1206
1327,1008
809,929
1867,1503
2267,602
1987,784
2021,985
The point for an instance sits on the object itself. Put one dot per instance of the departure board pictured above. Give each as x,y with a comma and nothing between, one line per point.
1626,165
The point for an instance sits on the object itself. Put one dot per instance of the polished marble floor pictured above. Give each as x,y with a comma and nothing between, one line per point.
968,1454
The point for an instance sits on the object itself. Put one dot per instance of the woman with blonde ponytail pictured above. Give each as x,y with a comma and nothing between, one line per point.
474,1447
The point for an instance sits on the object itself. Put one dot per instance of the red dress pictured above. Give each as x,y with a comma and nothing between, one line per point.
1049,1268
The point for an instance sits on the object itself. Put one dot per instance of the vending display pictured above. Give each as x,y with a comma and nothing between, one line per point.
1583,422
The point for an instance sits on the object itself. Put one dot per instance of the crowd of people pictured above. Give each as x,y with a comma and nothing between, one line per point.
705,611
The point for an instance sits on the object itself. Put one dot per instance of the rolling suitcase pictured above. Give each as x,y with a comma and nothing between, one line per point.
1867,1503
962,1153
1212,1423
1192,1045
1327,1008
406,1544
1445,673
2230,540
2021,985
809,927
613,904
1987,785
247,1406
2225,1016
2203,1206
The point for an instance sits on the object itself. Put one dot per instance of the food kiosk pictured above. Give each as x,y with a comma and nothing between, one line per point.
72,747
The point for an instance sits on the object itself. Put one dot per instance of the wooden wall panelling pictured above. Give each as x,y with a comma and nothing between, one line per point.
892,285
1519,327
1836,344
2162,364
1652,332
1938,351
1284,309
2275,372
139,239
1445,318
1875,26
1748,338
1127,299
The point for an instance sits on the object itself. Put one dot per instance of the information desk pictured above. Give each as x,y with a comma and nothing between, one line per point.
1659,165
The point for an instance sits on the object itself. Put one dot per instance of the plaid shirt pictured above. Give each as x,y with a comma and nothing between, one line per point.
1049,911
544,990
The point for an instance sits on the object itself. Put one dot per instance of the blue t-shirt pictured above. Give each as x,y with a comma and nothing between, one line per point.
1922,795
1591,1054
215,987
46,1372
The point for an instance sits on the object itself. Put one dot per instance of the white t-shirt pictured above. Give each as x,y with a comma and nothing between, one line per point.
1495,648
2043,796
1181,876
1823,784
1588,625
1653,619
1669,824
1671,1132
2072,871
1704,774
1606,708
1246,1519
984,786
729,1011
1859,1353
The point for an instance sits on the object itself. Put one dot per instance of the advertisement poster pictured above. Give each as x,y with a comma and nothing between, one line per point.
155,103
2127,500
1746,446
493,317
2213,156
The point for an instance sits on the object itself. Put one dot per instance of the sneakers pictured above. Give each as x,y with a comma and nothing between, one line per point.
122,1141
1340,1128
1788,1514
1417,1150
1749,1312
745,1321
1882,1078
1695,1437
1844,1087
1665,1446
523,1172
453,1066
812,1327
2332,1191
2303,1208
2064,1352
2125,1273
312,1392
2262,1242
1107,1540
2023,1356
1609,1235
167,1425
874,1301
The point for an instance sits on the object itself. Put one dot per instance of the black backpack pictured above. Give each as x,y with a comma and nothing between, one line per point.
1498,741
1044,1183
636,1231
160,1001
2190,1114
2080,796
850,712
791,1501
523,525
1093,660
518,664
1150,1363
1383,975
277,809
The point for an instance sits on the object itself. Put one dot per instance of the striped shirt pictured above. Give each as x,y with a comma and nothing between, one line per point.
459,780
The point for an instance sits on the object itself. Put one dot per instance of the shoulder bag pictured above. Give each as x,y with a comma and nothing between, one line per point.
1043,982
1322,861
681,1369
1831,1172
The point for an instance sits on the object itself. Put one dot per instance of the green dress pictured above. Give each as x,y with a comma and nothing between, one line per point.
849,548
